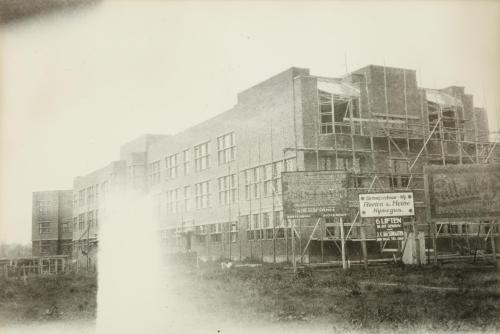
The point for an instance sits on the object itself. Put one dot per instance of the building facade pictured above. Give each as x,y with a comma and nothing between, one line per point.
217,186
51,223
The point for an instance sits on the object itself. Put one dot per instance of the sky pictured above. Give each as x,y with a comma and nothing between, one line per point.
74,86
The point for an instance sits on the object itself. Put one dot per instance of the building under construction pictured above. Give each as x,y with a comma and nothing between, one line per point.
217,185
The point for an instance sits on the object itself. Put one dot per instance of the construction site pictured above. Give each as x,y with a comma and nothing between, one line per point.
375,124
279,177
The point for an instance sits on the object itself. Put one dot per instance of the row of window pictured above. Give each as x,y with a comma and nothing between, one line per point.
267,178
44,207
44,227
226,150
86,221
90,195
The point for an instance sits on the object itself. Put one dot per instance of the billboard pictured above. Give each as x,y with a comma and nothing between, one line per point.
386,205
389,229
314,193
465,191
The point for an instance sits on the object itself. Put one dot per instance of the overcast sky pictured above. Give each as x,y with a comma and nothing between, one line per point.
76,86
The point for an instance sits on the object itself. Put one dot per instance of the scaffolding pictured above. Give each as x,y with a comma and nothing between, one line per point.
350,136
440,136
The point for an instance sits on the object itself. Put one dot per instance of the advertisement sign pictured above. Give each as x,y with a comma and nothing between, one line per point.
466,191
314,194
389,229
386,205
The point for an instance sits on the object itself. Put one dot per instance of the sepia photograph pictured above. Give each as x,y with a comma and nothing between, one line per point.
249,166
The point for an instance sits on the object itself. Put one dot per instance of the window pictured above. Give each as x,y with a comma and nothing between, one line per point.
65,227
201,157
248,183
290,165
266,219
266,225
75,223
268,181
90,195
81,221
215,231
202,195
75,200
326,115
226,148
256,182
252,183
81,197
44,227
244,221
334,109
90,219
200,232
227,189
172,204
154,172
171,163
256,226
277,169
186,198
185,156
44,248
44,207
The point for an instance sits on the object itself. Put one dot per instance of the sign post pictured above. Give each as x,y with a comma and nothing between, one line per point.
309,194
388,210
468,193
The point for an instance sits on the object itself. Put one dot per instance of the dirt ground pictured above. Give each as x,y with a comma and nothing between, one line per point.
447,298
47,299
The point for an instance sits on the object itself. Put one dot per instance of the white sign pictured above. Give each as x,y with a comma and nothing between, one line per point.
386,205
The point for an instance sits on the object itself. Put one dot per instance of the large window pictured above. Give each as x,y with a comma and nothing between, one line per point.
201,157
154,172
172,201
252,183
171,163
227,189
185,156
202,195
226,148
335,113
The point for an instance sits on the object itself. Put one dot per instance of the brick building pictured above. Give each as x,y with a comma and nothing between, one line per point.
217,185
91,191
51,223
